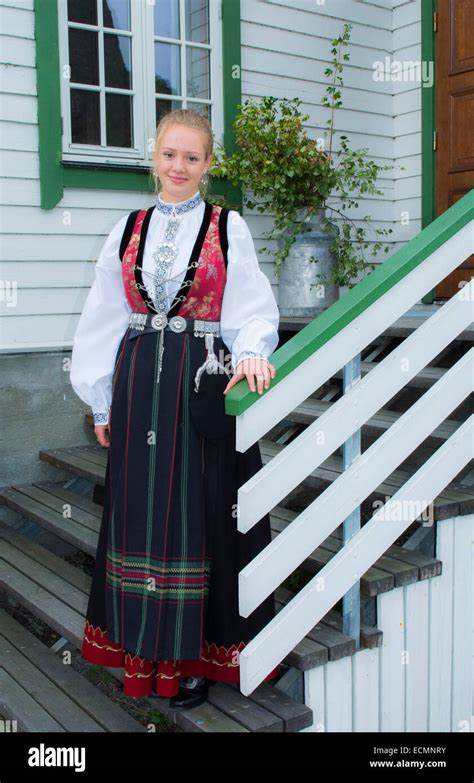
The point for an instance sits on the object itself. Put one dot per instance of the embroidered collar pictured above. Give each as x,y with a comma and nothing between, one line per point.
182,206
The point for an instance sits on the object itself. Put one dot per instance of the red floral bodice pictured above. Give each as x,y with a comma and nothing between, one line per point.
203,298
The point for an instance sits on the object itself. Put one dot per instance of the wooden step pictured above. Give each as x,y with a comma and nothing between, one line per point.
312,408
42,694
69,516
397,566
77,520
402,327
90,463
57,593
424,380
331,469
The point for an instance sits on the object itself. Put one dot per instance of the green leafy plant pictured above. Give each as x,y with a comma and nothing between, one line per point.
279,163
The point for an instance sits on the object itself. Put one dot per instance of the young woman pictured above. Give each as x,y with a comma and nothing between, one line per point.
177,286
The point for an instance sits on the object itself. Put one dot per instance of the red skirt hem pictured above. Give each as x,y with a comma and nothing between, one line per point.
143,676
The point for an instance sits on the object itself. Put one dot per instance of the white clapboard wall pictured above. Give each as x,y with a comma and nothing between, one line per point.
50,254
420,680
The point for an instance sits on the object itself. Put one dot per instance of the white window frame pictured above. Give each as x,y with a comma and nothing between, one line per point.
143,40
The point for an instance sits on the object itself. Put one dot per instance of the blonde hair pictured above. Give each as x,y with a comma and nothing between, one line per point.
190,119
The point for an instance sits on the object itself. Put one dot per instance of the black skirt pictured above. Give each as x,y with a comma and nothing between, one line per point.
165,582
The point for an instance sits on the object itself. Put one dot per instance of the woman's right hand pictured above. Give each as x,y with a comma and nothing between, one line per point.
102,434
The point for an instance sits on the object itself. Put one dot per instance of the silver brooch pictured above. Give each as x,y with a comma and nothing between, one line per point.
177,323
159,321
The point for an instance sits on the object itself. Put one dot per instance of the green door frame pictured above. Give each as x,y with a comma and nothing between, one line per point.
54,176
428,124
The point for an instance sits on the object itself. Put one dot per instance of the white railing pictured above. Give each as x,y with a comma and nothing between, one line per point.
297,460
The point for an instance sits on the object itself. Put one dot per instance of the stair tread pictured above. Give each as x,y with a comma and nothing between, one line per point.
398,565
331,469
90,462
309,410
40,578
402,327
423,380
24,572
44,502
49,696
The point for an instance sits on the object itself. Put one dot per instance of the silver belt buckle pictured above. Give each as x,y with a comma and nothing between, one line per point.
159,321
177,323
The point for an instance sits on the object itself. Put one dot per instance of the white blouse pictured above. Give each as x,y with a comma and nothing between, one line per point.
249,314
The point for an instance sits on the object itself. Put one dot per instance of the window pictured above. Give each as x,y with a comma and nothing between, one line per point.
124,63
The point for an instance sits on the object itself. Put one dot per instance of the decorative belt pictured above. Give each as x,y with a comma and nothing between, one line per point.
147,322
142,323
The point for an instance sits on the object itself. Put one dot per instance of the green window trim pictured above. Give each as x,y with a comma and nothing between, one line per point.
55,176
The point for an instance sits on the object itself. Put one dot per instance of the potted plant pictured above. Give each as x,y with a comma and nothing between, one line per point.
296,179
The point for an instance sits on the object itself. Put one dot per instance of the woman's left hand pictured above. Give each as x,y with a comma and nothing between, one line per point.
250,367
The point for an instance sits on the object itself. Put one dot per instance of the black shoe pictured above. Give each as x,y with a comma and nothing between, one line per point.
192,691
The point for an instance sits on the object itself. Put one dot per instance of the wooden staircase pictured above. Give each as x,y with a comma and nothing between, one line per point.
56,591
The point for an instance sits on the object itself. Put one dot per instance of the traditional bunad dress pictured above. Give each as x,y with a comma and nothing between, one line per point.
177,287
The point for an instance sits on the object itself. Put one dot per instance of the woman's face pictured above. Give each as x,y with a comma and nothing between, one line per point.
180,162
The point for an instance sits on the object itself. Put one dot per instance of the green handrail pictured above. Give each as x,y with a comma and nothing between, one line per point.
357,299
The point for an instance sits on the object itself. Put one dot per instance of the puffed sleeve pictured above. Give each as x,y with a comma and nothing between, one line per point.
249,314
102,324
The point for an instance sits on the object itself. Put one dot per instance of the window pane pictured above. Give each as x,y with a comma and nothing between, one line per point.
84,56
116,14
203,108
85,117
167,69
163,106
167,18
84,11
117,55
118,120
197,21
197,72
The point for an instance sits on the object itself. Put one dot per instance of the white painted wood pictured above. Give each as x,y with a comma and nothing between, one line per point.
391,617
312,526
53,275
17,21
463,618
303,47
406,13
315,697
311,91
279,400
441,632
417,652
406,22
311,603
290,47
419,680
411,653
51,302
346,9
339,689
417,615
318,441
309,17
365,690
